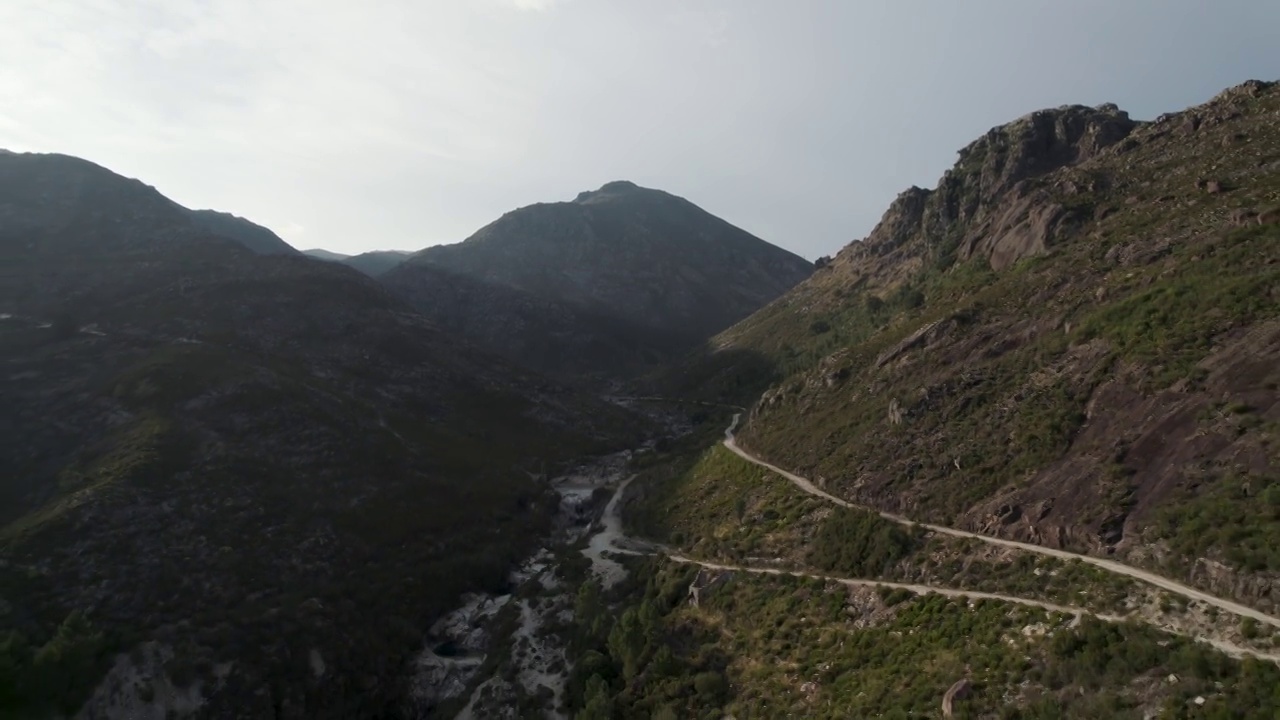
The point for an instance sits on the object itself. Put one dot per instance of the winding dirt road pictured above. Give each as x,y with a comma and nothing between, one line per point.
611,538
1108,565
1228,648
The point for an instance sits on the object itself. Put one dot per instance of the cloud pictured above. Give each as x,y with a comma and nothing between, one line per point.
534,5
709,26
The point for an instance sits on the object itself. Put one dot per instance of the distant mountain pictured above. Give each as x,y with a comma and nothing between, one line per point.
322,254
237,461
653,264
377,262
373,263
255,237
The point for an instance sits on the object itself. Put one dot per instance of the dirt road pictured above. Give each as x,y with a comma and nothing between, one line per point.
1228,648
1109,565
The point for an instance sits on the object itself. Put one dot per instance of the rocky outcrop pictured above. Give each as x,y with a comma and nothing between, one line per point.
455,651
989,204
704,583
1002,201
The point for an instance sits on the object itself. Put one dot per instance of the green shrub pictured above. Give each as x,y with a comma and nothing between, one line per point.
860,543
712,687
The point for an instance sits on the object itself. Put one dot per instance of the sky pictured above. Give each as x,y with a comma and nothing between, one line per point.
400,124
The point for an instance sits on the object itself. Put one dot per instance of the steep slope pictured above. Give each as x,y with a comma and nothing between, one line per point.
1073,340
253,236
257,477
640,257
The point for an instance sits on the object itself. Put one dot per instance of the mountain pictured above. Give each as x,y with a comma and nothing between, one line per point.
372,263
376,262
236,483
255,237
322,254
639,257
39,186
1073,340
538,332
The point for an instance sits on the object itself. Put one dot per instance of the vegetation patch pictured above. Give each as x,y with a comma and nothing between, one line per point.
859,543
1236,519
782,646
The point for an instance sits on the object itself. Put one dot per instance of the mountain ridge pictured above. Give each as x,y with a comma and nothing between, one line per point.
650,259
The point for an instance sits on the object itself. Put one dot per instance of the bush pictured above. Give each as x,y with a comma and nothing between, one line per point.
712,687
859,542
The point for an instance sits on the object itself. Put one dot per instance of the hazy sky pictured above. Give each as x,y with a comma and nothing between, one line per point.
355,125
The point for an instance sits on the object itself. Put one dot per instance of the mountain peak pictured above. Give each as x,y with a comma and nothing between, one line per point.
619,255
616,187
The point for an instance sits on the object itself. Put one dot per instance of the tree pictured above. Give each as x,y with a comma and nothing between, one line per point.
627,643
599,701
65,666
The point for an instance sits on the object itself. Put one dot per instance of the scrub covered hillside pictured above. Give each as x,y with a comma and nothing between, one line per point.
1073,340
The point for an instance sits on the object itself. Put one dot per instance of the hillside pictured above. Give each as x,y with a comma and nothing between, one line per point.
1073,340
255,237
638,257
244,484
537,332
42,191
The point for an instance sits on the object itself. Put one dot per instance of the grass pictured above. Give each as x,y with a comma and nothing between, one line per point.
1169,324
1235,519
720,506
140,451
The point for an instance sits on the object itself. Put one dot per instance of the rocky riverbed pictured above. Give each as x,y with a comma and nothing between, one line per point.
507,653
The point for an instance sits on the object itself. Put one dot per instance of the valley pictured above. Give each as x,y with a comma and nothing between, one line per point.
1012,455
536,660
